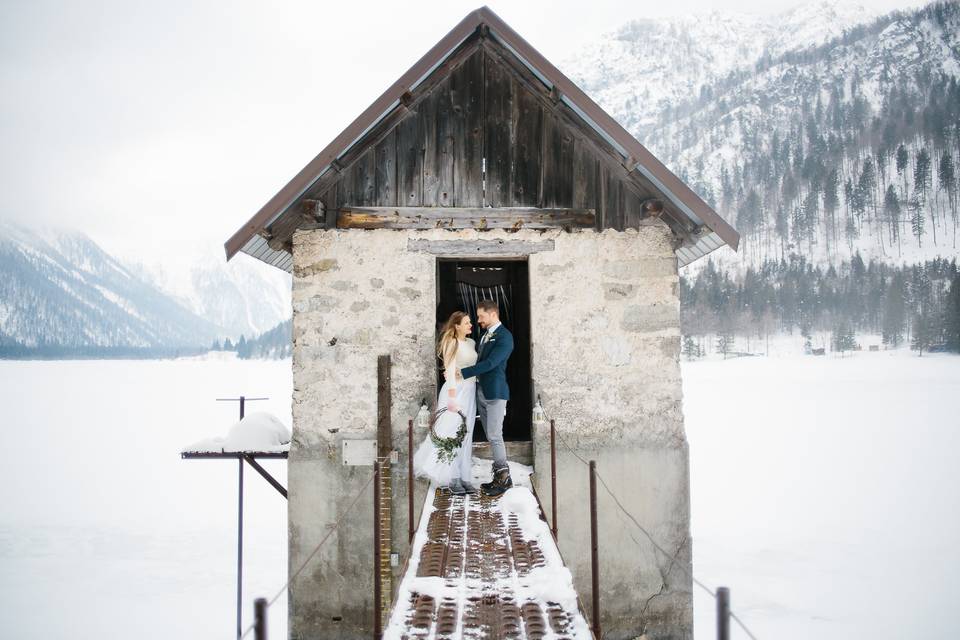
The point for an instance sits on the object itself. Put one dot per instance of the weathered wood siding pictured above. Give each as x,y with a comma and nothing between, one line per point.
484,110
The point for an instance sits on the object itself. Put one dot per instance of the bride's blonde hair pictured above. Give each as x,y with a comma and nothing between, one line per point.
447,343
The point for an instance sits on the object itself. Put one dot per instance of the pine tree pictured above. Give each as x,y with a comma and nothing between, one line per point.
843,338
952,315
690,348
903,159
891,206
216,346
948,183
921,294
894,314
916,222
831,200
921,186
725,343
227,345
922,332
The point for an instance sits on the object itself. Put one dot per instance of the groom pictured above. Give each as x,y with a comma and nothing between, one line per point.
496,346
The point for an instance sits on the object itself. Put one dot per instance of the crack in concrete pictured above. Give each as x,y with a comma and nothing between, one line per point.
663,583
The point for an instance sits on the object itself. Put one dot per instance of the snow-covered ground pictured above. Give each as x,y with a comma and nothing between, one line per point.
104,531
825,495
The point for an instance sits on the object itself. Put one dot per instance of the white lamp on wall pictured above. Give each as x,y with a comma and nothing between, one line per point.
422,421
539,415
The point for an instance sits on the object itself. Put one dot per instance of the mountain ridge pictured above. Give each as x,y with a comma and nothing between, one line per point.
62,295
798,148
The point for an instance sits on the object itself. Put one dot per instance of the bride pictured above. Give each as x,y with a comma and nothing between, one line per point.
442,456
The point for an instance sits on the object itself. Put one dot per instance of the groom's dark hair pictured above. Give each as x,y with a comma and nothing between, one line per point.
489,305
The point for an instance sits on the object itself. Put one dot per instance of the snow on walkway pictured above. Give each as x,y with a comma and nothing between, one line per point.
485,567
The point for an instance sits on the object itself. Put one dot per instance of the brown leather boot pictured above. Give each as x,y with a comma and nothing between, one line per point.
501,482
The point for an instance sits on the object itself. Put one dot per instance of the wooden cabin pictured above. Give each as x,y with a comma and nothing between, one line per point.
485,172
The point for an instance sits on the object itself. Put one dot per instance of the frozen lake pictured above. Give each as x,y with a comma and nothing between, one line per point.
825,494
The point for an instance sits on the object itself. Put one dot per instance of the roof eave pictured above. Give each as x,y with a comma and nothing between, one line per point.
636,155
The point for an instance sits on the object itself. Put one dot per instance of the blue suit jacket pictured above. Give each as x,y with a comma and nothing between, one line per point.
491,367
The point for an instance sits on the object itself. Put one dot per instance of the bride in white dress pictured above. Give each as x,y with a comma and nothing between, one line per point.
456,407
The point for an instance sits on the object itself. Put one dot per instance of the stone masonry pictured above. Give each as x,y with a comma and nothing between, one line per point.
605,328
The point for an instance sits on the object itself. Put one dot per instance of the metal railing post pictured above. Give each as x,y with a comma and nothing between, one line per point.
553,477
376,550
239,546
723,613
260,619
410,524
594,550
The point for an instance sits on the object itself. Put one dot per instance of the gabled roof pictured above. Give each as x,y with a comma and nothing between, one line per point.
711,232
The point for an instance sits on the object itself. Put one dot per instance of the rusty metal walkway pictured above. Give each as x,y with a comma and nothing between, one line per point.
485,567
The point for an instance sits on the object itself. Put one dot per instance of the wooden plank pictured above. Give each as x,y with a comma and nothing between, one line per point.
498,142
584,176
436,126
558,159
527,147
631,209
603,152
390,125
481,247
384,430
363,180
345,187
603,180
385,175
466,95
329,199
599,195
613,209
409,162
462,218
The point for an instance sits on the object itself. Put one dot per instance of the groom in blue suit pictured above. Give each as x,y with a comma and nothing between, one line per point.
496,345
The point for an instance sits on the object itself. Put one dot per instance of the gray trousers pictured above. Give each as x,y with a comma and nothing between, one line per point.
492,413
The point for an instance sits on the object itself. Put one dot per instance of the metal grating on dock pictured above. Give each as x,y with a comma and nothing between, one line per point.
485,568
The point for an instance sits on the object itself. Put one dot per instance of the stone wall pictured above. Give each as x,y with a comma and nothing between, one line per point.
605,327
605,312
356,295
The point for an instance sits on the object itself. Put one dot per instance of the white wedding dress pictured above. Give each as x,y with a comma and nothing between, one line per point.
426,462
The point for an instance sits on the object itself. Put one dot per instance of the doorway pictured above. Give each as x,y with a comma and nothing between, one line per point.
462,284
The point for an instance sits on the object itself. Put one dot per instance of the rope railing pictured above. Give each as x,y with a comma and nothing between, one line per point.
722,597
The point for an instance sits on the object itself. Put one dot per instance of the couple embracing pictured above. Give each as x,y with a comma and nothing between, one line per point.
475,378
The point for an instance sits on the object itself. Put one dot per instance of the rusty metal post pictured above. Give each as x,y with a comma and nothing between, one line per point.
243,404
594,551
260,619
239,546
553,477
723,613
410,525
376,550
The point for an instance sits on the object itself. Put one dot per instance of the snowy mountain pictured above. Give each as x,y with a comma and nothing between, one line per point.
243,297
824,131
61,294
644,69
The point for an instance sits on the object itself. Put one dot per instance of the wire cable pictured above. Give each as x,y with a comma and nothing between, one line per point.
671,557
335,527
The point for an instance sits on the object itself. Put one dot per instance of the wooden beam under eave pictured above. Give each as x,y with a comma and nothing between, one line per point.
513,218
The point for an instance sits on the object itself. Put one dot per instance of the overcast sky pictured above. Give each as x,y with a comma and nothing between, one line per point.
140,123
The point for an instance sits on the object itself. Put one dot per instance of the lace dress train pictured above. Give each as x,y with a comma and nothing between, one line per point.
426,461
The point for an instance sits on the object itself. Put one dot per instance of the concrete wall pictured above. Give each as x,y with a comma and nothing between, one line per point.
605,311
356,295
605,359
